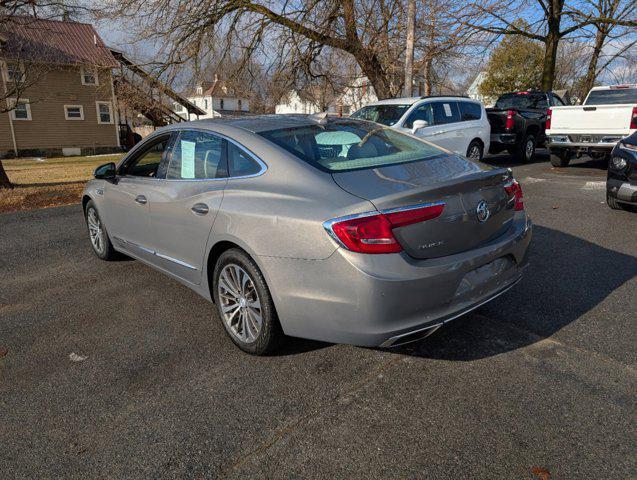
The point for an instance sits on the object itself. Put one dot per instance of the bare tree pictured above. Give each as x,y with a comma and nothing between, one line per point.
558,19
409,47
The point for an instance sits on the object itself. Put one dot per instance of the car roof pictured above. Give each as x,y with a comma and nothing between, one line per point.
254,123
412,100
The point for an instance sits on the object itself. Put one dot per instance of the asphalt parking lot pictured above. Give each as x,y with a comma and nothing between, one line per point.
539,382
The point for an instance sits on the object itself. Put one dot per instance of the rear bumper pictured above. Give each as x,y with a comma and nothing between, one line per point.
383,300
623,191
503,139
583,142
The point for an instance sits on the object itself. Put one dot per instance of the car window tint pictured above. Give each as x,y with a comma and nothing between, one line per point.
557,101
470,111
147,164
423,112
445,112
241,164
197,155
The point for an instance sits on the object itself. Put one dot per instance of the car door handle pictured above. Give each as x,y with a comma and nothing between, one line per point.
200,208
141,199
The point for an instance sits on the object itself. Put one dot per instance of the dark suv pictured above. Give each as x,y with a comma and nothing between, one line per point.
518,121
621,185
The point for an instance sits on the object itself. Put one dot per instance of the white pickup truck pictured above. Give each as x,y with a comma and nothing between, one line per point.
607,115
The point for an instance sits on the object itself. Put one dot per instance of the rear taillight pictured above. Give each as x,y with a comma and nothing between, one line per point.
373,233
633,119
510,122
514,190
548,119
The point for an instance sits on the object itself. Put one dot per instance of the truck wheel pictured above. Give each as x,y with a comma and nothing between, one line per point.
613,203
525,150
560,158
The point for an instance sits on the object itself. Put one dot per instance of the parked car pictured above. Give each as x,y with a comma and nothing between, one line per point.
607,114
518,120
621,183
329,229
458,124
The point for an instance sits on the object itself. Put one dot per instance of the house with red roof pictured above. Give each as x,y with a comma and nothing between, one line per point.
56,89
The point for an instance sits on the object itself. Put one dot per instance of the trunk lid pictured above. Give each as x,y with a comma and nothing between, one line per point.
458,182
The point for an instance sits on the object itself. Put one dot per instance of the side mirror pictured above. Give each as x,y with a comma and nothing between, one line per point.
418,124
107,172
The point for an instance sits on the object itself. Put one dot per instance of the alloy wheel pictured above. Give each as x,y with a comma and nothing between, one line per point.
240,304
95,230
474,153
529,149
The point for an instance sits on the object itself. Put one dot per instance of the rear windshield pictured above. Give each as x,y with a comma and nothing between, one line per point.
614,96
351,145
385,114
521,101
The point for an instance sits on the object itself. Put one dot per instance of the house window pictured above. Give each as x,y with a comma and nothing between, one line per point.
89,76
13,72
239,104
74,112
205,102
21,109
221,104
104,112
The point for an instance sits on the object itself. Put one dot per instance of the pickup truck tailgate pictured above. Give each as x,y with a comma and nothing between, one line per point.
591,119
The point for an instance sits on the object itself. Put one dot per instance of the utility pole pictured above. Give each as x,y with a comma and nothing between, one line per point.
409,48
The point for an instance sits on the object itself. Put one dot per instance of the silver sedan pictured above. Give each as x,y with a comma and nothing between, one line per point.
337,230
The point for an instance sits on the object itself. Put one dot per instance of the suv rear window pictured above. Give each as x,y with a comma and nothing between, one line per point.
384,114
613,96
350,145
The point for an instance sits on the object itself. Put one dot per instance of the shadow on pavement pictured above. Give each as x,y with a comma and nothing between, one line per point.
567,277
505,160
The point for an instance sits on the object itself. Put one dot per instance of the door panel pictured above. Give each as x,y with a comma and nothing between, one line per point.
184,205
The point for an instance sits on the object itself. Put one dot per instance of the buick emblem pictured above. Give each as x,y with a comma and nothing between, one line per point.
482,211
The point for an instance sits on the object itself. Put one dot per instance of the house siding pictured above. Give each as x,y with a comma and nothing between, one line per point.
49,130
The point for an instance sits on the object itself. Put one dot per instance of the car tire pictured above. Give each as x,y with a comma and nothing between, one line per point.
613,203
525,150
475,151
98,235
560,158
242,297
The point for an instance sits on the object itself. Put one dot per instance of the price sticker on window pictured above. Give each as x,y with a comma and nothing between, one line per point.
187,159
447,108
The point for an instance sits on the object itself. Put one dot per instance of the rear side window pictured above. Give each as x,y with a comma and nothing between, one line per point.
240,162
423,112
469,111
445,112
197,156
613,96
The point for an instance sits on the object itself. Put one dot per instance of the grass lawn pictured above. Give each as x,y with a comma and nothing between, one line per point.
48,182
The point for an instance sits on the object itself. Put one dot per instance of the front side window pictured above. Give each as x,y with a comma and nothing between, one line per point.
349,145
104,112
89,76
74,112
445,112
21,109
469,111
146,163
197,155
422,112
383,114
240,163
557,101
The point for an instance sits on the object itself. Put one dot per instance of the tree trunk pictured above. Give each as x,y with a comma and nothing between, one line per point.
373,69
409,49
4,178
426,73
550,57
591,73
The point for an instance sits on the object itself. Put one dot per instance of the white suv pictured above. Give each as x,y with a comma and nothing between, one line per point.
458,124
